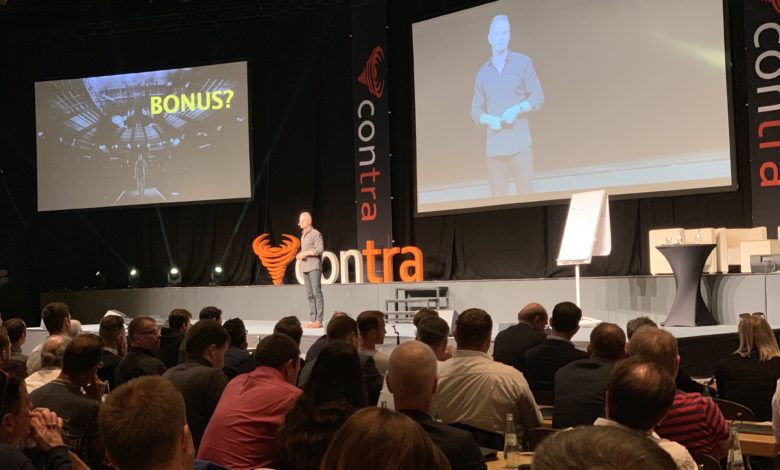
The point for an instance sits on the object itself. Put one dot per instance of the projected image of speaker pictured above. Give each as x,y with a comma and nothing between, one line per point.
175,135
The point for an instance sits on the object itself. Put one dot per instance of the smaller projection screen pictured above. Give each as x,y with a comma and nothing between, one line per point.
166,136
523,101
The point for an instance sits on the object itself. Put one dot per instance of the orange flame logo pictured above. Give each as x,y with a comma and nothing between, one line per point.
370,75
276,258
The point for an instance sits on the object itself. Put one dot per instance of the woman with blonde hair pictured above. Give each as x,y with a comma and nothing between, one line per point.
749,376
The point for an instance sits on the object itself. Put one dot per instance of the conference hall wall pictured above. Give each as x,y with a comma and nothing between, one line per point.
302,157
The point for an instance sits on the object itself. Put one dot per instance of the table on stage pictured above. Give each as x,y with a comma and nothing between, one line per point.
687,262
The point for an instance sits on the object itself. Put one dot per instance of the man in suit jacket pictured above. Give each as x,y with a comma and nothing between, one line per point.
512,343
544,360
311,267
411,378
580,386
112,330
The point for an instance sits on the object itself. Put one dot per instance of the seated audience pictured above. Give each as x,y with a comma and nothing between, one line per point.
242,432
19,422
424,312
51,362
371,325
748,376
75,328
334,391
56,318
200,379
639,394
17,333
776,412
238,360
476,391
322,341
681,380
693,420
580,385
78,410
144,339
412,380
5,348
511,344
600,447
403,444
343,328
206,313
112,330
435,332
144,427
171,336
543,360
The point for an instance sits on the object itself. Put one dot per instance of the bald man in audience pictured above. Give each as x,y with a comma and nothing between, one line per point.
478,392
511,344
56,318
639,393
412,379
144,427
693,420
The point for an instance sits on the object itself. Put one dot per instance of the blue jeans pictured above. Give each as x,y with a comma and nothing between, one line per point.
314,291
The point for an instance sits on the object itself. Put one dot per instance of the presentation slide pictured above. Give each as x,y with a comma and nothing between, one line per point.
521,101
166,136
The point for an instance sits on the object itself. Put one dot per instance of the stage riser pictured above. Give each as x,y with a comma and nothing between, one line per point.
614,299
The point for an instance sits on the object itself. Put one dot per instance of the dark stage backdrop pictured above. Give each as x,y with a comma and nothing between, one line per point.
300,87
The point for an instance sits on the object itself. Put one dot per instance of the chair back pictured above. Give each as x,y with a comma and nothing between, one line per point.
534,436
705,461
734,411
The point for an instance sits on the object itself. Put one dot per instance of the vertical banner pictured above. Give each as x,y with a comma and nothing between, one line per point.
762,47
370,123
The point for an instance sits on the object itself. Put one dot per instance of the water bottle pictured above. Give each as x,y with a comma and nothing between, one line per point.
735,461
512,447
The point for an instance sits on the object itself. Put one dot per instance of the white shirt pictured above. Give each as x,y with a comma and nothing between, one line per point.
34,359
679,454
41,378
382,360
776,412
478,391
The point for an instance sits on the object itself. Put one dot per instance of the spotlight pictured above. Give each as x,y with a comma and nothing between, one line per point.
217,275
99,280
133,278
174,276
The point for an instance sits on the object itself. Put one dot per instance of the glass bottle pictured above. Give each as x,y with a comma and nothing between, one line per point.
735,461
512,447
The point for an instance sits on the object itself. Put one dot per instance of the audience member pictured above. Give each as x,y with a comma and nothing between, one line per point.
112,330
404,444
635,323
600,447
172,336
17,334
543,360
776,412
19,423
424,312
343,328
476,391
242,432
290,326
211,313
144,427
238,360
51,362
79,411
200,378
334,391
412,379
144,339
639,394
435,332
749,376
5,348
692,420
75,328
580,385
322,341
56,318
371,325
511,344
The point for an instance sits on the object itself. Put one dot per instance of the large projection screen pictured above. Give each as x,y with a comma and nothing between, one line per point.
558,97
165,136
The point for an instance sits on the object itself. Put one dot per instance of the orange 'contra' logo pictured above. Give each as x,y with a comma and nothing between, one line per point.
370,75
775,4
276,258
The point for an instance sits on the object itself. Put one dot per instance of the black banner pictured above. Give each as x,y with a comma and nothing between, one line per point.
371,126
762,41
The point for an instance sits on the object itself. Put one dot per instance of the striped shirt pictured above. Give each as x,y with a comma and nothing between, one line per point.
695,422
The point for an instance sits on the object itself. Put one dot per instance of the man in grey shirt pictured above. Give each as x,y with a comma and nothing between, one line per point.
505,90
311,267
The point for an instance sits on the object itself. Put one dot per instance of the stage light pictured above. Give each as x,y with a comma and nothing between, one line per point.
217,275
99,280
174,276
133,278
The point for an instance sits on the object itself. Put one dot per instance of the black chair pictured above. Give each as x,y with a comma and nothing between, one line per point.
484,438
733,411
706,462
544,397
534,436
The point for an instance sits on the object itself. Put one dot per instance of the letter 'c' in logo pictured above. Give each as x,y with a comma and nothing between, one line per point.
775,4
370,75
